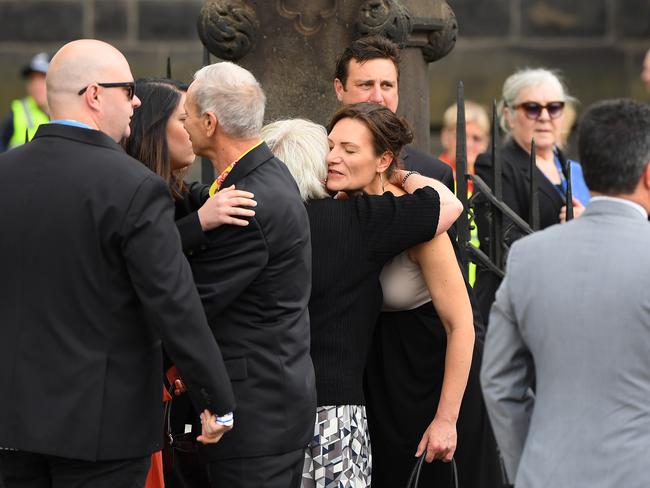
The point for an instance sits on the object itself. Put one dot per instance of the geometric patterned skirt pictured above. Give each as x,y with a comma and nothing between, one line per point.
338,455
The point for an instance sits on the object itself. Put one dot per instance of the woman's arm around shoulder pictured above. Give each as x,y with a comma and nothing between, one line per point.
450,206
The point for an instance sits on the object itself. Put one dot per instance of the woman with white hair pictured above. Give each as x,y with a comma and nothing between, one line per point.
532,108
352,238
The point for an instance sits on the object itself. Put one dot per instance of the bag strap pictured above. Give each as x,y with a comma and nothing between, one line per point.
414,479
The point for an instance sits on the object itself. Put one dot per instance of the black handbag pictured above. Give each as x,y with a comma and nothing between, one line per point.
414,479
183,466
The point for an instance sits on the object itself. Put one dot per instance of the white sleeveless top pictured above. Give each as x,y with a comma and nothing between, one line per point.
403,285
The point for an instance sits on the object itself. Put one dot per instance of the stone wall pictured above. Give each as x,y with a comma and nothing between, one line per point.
147,31
597,44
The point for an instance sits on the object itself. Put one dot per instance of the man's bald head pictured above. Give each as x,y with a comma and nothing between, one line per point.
79,63
86,63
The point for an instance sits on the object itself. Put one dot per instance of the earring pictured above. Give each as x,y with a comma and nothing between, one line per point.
381,178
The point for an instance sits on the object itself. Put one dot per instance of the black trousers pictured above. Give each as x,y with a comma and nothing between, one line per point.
280,471
20,469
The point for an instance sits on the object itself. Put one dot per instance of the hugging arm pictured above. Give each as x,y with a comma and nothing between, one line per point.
450,206
226,207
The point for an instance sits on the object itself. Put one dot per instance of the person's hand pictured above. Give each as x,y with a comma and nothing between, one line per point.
225,206
438,441
174,378
578,209
211,431
179,387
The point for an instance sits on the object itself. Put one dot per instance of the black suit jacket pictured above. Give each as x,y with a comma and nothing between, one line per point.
427,165
255,283
92,277
516,189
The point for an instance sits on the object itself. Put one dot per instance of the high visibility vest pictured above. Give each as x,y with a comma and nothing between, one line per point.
27,117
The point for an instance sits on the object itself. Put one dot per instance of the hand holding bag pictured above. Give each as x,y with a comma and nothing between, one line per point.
414,479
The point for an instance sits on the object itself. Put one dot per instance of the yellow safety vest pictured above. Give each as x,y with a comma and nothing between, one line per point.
27,118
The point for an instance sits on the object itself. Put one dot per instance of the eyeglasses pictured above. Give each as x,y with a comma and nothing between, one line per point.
533,110
129,85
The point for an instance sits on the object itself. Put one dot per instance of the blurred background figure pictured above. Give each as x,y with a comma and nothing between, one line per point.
477,127
26,114
645,72
532,107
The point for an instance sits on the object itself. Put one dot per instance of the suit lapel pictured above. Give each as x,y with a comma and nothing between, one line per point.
248,163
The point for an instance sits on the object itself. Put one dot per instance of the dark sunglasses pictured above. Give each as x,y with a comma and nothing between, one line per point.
533,110
129,85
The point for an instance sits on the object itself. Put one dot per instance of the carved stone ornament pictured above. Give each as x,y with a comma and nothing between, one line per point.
228,28
384,17
442,41
308,15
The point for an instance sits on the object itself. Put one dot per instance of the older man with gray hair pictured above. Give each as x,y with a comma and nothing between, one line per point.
255,283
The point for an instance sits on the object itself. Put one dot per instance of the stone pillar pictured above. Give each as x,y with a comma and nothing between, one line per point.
291,46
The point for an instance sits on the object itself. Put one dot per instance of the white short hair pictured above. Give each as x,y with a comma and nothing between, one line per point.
235,97
303,147
526,78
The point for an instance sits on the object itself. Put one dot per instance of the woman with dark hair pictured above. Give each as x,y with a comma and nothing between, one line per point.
423,345
351,240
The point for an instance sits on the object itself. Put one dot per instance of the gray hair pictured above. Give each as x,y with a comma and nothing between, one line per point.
235,97
303,147
526,78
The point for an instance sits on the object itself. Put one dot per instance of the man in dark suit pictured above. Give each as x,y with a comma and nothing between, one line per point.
255,283
93,277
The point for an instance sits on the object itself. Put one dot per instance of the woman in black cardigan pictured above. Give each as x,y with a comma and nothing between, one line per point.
532,108
352,238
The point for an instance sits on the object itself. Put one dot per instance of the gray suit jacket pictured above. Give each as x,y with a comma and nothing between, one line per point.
571,321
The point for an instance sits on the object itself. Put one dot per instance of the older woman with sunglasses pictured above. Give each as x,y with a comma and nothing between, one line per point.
532,108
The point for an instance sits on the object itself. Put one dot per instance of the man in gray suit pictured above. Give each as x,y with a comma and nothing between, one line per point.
566,368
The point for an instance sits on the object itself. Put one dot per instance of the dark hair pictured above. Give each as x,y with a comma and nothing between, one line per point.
389,132
148,139
614,145
365,49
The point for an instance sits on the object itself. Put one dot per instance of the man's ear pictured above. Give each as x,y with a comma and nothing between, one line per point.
209,123
91,97
645,177
384,162
339,89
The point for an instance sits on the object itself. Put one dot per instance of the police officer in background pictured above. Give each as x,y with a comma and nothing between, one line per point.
27,113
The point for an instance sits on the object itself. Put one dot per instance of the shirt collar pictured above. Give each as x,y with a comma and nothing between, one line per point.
216,184
72,123
625,201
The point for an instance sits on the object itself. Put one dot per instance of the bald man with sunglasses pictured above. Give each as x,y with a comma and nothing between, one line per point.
94,280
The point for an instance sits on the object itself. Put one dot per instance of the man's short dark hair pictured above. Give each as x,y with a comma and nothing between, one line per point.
365,49
614,145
